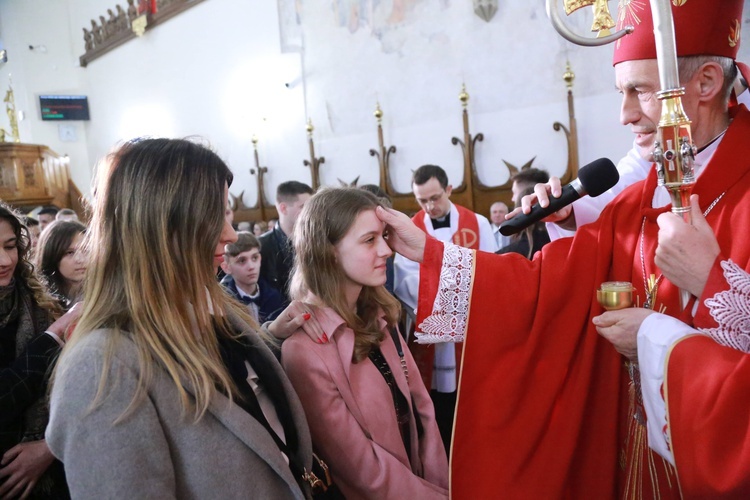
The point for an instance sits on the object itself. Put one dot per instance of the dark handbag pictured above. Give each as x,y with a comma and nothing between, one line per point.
320,481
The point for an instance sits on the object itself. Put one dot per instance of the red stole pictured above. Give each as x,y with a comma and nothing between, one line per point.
542,399
466,236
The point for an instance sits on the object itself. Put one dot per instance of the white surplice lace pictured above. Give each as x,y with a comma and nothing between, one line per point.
450,313
731,309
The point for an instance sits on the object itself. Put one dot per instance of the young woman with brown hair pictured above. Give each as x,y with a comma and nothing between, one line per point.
369,413
60,260
26,355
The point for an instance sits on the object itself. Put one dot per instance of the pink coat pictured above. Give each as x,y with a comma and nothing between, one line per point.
352,419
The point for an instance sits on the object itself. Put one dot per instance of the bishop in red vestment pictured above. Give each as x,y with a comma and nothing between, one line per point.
546,407
695,378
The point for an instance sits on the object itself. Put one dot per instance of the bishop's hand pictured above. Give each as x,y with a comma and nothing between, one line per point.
621,327
686,253
403,236
542,195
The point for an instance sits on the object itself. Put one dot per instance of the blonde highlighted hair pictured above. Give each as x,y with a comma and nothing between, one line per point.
323,222
156,221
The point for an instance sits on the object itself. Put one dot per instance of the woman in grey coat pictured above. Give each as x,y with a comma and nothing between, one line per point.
165,390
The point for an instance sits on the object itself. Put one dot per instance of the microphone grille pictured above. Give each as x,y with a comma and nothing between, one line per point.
598,176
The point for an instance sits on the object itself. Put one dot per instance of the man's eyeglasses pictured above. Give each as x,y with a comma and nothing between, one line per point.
432,199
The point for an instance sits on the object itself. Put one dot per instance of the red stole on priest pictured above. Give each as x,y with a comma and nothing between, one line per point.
466,236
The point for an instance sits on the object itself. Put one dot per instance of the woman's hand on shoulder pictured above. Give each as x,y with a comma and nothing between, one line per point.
64,325
298,315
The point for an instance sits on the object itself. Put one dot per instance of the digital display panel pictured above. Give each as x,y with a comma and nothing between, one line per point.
64,107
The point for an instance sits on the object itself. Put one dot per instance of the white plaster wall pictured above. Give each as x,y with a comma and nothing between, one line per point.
512,68
217,71
34,72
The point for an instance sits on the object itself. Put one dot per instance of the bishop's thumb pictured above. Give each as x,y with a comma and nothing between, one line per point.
696,214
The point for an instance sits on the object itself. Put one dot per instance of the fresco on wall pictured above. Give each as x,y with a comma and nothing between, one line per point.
376,17
415,54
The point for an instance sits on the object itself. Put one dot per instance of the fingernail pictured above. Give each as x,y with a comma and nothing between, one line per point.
306,316
325,337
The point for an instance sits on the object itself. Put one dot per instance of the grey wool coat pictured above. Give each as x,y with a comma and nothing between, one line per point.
158,450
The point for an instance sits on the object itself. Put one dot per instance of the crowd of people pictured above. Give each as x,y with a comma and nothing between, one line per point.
160,351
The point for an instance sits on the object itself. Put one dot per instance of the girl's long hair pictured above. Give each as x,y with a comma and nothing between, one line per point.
323,222
53,243
24,275
157,217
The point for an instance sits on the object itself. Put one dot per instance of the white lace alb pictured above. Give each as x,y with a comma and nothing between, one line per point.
731,309
450,313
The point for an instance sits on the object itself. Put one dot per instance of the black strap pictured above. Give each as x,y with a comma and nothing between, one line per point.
400,403
400,350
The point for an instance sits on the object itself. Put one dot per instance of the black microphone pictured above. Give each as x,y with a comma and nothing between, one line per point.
593,179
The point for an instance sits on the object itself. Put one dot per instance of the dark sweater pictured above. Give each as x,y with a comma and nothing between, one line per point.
269,301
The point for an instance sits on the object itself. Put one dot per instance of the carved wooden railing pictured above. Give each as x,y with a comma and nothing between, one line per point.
472,193
571,132
262,210
124,24
314,162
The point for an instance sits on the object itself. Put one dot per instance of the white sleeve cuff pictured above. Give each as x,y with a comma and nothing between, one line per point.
655,337
57,339
448,320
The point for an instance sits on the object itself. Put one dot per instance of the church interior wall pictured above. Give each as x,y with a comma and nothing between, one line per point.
219,70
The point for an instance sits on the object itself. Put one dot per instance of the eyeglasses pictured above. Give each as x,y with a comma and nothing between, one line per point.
432,200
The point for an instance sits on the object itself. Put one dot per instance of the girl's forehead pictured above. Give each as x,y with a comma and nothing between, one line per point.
365,223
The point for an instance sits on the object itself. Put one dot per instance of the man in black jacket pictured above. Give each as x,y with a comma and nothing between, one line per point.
277,253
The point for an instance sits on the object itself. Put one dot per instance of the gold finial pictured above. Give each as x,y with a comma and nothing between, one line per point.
378,112
10,109
568,76
463,96
309,126
254,140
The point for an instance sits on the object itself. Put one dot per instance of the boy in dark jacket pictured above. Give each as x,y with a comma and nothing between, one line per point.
242,265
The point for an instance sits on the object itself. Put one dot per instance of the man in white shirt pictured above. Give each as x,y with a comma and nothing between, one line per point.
498,211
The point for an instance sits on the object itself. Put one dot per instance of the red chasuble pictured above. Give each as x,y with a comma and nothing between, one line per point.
707,388
544,406
466,236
